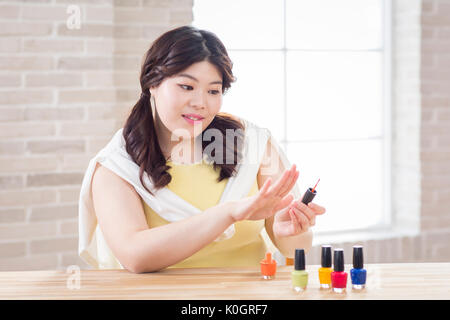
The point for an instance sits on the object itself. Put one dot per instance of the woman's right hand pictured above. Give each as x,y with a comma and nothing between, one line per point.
269,200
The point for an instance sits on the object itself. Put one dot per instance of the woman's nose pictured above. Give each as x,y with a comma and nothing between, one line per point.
198,100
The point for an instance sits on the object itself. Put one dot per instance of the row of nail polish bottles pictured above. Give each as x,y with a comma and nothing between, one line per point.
337,277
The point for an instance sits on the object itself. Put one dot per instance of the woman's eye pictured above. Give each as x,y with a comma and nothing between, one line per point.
185,87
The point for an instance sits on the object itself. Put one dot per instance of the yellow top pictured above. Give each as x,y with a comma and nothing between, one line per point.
197,184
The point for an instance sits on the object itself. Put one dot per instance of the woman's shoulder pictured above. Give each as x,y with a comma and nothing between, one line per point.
244,122
104,178
227,115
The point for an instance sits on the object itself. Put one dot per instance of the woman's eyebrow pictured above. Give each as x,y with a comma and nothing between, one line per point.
195,79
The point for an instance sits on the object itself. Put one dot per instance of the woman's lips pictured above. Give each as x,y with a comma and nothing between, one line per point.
190,121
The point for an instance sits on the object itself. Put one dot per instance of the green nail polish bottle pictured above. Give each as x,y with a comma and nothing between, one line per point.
299,275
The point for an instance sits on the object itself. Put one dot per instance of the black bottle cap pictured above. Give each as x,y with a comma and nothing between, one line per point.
358,257
326,256
309,196
299,259
339,260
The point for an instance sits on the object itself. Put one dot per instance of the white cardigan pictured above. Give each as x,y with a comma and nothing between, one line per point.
92,246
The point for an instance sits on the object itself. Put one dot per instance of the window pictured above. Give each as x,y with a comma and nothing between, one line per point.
316,73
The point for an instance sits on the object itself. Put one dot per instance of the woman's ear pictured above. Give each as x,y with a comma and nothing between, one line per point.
153,90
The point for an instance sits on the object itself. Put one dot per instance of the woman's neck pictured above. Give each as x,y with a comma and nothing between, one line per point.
181,150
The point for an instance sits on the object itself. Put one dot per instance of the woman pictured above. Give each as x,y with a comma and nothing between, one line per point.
159,196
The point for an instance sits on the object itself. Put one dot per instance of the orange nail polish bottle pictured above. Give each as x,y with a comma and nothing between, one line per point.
268,267
289,261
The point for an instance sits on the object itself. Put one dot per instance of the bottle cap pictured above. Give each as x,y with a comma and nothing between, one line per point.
326,256
299,259
309,196
268,265
358,257
339,260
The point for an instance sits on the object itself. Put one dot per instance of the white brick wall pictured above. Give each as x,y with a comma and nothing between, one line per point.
63,93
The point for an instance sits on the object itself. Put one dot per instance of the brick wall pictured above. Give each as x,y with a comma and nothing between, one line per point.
435,143
63,93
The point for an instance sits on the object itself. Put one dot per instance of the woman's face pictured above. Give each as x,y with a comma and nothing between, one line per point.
189,100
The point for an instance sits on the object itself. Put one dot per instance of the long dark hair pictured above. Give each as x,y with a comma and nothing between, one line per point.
171,53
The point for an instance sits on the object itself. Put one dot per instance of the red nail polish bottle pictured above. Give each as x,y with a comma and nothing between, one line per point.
339,276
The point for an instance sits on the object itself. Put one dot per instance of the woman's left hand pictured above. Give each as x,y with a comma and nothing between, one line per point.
296,218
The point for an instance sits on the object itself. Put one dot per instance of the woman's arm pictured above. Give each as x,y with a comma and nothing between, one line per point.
272,167
122,220
139,249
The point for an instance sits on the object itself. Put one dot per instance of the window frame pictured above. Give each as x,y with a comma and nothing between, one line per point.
386,221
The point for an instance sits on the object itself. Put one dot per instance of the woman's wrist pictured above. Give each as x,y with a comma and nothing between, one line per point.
229,211
287,245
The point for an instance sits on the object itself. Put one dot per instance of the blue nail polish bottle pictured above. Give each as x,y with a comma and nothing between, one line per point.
358,274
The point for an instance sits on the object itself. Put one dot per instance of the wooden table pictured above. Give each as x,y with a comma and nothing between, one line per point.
409,281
